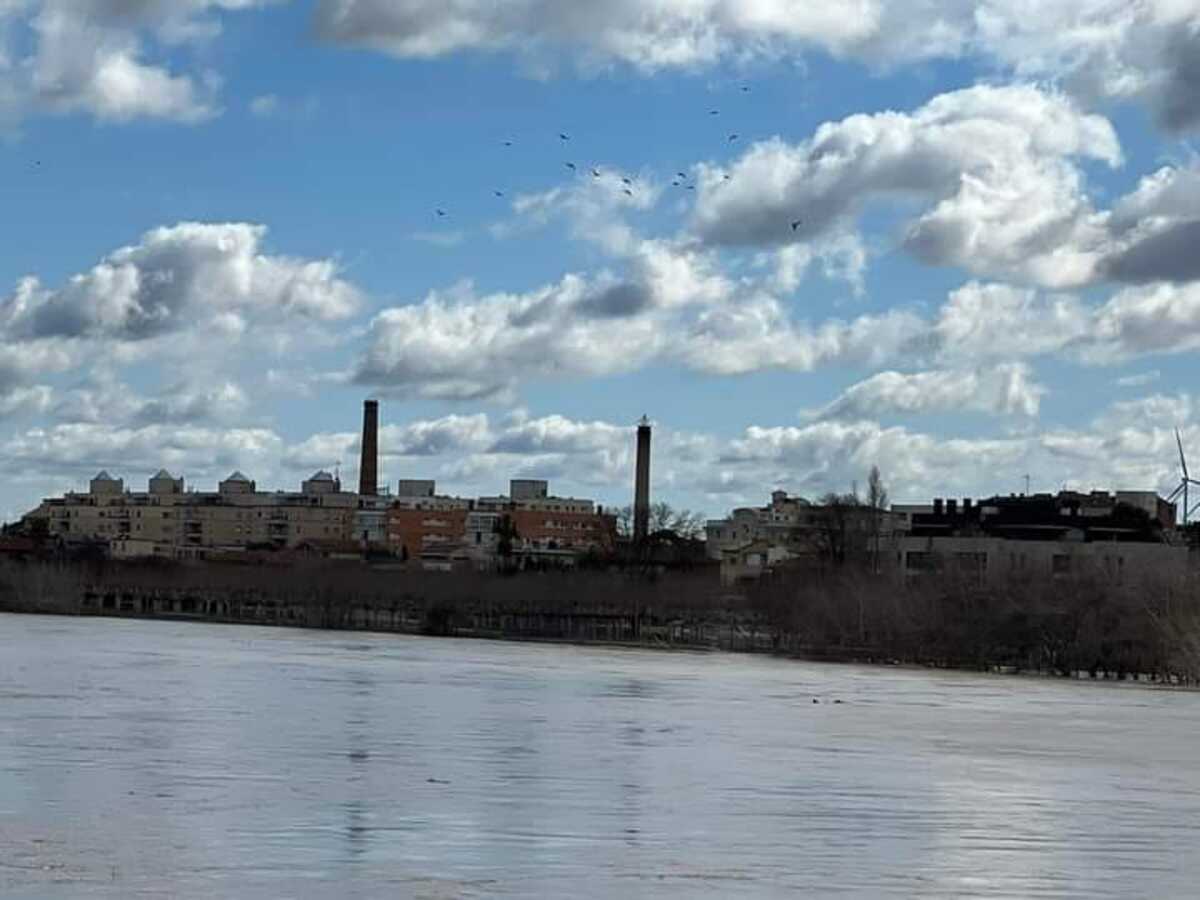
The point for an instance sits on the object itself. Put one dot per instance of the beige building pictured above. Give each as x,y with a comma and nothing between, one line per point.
790,527
167,520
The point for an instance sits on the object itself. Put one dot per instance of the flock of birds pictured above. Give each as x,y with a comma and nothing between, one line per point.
680,179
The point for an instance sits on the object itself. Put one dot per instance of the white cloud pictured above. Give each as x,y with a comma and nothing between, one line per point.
479,346
176,277
1001,321
1156,228
831,455
991,169
24,400
91,56
104,400
666,33
757,333
85,447
1147,51
1136,321
1007,390
449,435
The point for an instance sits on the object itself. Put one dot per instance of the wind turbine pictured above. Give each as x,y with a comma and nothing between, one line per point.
1181,492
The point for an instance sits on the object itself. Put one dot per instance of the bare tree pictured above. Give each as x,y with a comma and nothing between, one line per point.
877,500
833,533
683,523
661,515
625,521
688,524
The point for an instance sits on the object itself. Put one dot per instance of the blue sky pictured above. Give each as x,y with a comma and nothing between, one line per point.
220,234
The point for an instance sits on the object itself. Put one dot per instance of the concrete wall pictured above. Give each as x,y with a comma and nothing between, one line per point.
993,561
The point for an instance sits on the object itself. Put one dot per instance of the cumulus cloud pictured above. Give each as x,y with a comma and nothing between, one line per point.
759,334
1107,454
85,447
668,33
992,170
104,400
178,276
466,347
24,400
1000,320
1156,228
91,56
997,321
1161,318
1008,390
1147,52
448,435
480,346
829,455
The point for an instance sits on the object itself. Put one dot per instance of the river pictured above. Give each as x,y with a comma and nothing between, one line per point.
158,759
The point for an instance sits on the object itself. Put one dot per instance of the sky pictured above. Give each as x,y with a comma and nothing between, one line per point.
957,240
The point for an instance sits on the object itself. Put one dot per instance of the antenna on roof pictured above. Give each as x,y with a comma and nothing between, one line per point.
1181,492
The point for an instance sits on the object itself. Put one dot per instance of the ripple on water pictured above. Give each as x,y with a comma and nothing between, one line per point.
138,759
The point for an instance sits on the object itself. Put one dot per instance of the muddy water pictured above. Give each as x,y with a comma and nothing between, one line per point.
151,759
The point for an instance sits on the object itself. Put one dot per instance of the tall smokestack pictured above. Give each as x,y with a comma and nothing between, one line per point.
641,489
368,468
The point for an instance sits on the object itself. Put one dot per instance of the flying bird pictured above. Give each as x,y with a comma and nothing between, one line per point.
714,112
629,192
627,181
745,88
691,187
797,223
674,184
727,176
595,173
571,166
508,143
733,137
563,137
498,193
440,212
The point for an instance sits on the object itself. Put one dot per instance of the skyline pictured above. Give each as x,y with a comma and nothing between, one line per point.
952,245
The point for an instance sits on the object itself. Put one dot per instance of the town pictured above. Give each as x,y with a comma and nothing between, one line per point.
1121,536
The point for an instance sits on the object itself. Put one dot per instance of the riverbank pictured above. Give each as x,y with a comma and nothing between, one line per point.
846,620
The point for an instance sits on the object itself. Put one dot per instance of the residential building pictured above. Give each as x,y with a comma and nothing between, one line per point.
754,539
168,520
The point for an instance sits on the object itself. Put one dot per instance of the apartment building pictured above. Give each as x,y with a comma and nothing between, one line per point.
167,520
170,520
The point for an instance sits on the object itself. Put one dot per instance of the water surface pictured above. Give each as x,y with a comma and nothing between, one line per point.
151,759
